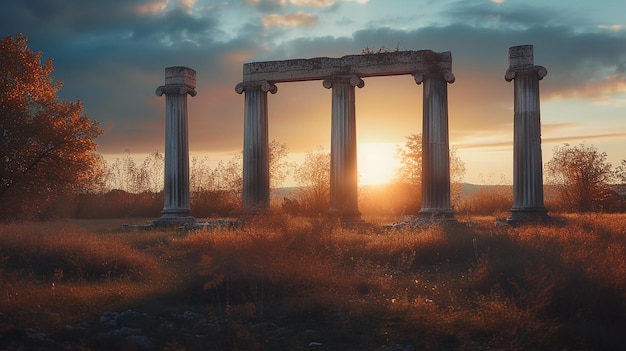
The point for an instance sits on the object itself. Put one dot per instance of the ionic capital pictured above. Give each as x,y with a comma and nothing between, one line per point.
353,80
446,75
263,85
512,72
175,89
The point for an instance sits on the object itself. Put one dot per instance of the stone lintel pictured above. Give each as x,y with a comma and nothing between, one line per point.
365,65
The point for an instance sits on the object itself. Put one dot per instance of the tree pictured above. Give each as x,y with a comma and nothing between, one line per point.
152,170
581,177
279,166
314,177
620,172
410,172
47,146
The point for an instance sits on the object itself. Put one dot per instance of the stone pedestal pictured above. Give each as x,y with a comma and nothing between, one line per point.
179,82
435,145
256,169
343,148
527,163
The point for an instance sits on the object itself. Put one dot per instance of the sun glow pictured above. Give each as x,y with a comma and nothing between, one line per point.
376,163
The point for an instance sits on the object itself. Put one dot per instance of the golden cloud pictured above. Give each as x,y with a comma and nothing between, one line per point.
612,27
599,89
313,3
289,20
321,3
152,7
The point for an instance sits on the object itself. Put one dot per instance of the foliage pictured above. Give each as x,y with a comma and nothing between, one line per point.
581,175
262,285
382,50
493,200
279,166
410,171
620,172
313,175
46,145
126,188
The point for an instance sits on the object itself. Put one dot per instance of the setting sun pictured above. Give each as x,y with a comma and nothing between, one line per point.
377,163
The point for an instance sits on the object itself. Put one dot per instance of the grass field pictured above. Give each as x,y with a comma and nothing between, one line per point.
282,283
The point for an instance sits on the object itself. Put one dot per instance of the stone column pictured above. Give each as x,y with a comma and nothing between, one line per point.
256,164
435,145
179,82
343,160
527,164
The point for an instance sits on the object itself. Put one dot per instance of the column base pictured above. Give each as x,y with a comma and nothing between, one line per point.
171,218
528,215
348,217
446,214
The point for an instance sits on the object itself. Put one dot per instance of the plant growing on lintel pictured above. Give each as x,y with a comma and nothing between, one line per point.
382,50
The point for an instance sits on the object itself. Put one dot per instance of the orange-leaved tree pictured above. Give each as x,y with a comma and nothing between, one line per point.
581,176
46,145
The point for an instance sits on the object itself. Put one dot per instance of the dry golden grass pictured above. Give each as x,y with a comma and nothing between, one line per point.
470,287
59,269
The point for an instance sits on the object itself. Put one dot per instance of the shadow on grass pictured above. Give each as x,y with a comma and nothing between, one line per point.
290,283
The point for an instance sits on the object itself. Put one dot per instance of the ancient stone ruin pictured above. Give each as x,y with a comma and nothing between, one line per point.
179,82
342,75
527,162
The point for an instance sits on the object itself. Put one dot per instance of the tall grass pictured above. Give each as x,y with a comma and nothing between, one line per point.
512,288
58,269
443,287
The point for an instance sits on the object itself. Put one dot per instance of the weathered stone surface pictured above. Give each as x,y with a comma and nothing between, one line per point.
180,75
435,146
521,56
342,75
179,82
528,204
256,174
368,65
343,148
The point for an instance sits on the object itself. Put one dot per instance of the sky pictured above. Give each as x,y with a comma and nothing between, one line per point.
112,54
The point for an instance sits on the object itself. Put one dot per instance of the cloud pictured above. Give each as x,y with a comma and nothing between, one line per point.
151,8
289,20
612,27
565,139
267,5
313,3
501,15
112,56
599,90
322,3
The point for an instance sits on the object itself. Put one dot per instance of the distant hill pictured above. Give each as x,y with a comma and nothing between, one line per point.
468,189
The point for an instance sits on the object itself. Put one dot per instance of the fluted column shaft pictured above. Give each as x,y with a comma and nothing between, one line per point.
435,145
527,159
343,148
256,169
179,82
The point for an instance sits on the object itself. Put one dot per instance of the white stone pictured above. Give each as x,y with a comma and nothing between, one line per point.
369,65
342,75
521,56
180,76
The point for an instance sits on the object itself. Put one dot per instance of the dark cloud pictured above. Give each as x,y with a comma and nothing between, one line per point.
505,15
480,99
112,56
266,6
